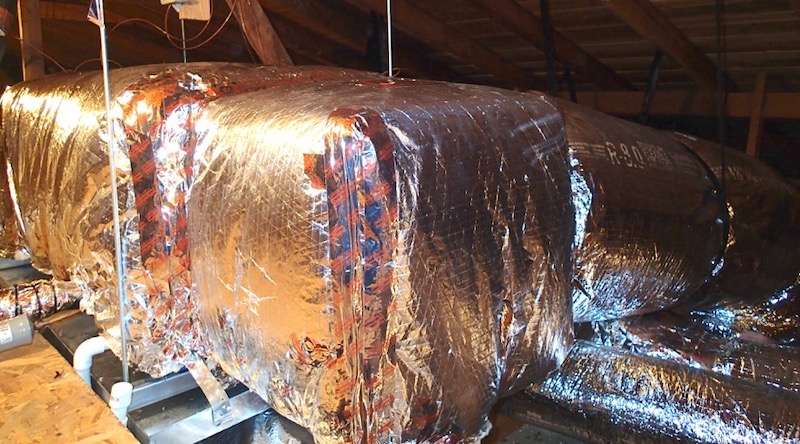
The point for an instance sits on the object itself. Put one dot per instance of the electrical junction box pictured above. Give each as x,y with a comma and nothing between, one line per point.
191,9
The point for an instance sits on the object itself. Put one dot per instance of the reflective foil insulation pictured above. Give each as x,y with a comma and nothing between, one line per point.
354,247
53,132
777,319
762,257
649,217
37,299
687,339
383,260
10,241
603,394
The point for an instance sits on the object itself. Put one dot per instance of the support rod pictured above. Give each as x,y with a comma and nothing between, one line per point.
652,82
552,86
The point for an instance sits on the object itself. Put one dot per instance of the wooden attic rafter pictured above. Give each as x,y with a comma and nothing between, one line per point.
255,25
322,50
30,30
77,13
528,26
335,23
431,31
653,25
259,32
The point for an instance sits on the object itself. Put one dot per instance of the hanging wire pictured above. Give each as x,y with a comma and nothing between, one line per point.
114,195
86,62
389,53
183,39
172,39
721,125
40,52
176,41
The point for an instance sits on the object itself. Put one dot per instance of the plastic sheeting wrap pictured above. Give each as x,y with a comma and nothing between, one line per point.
602,394
762,257
649,220
382,261
54,143
686,339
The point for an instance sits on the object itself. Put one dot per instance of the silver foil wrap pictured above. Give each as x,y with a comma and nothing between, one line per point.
762,258
603,394
54,145
382,260
777,318
649,217
38,299
58,168
687,339
10,241
157,116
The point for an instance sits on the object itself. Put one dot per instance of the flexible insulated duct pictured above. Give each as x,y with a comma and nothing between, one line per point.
762,257
693,341
602,394
650,220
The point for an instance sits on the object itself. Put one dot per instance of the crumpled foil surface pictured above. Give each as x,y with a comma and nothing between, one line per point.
650,221
686,338
38,299
10,241
57,163
54,142
762,258
157,117
777,319
382,260
603,394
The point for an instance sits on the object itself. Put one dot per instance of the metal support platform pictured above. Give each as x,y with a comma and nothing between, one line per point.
163,410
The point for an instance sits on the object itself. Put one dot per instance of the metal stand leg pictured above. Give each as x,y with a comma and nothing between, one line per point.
220,404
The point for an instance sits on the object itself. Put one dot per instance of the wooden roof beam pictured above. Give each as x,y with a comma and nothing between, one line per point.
308,47
316,48
527,25
433,32
700,104
653,25
148,52
30,32
259,32
335,22
796,6
72,12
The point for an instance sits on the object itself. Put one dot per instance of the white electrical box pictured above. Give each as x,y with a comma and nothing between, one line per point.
191,9
197,10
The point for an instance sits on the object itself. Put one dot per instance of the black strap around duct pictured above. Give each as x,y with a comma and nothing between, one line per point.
552,85
573,93
377,43
721,94
652,82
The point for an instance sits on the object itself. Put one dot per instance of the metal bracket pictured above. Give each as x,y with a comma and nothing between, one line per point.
217,398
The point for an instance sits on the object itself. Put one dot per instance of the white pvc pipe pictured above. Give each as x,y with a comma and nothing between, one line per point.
120,400
82,359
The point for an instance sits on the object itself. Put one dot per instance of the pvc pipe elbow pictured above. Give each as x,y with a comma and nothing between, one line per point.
120,400
82,359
